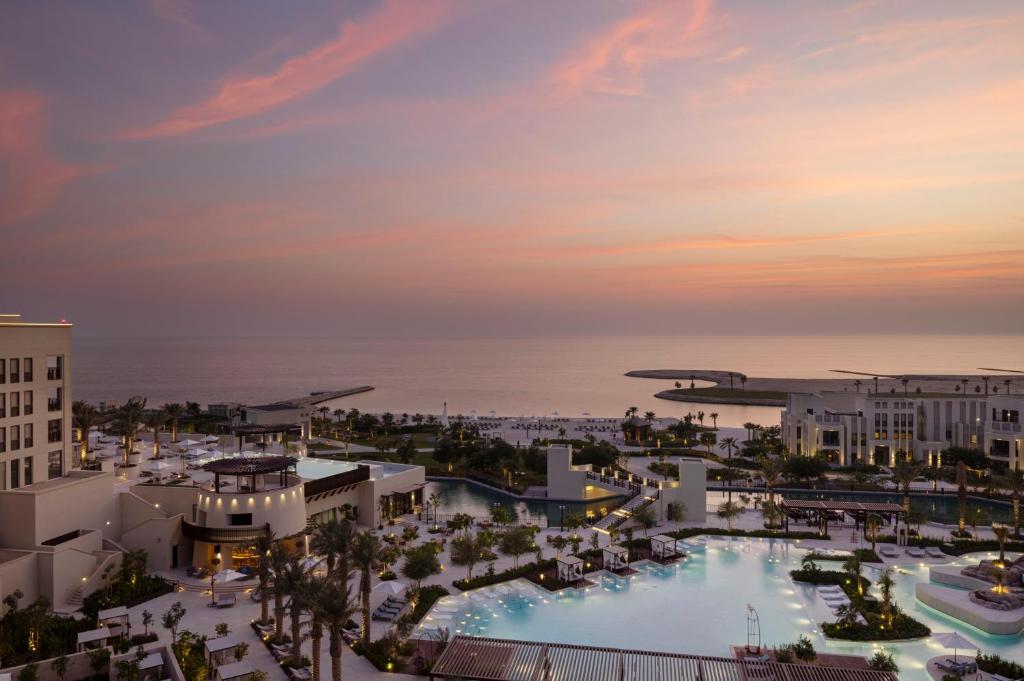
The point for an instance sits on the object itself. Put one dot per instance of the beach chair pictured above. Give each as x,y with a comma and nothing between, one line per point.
888,552
935,552
915,552
226,601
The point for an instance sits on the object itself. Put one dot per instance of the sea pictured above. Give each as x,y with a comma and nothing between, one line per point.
564,376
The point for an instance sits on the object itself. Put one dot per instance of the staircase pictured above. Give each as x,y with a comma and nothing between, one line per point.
75,599
625,512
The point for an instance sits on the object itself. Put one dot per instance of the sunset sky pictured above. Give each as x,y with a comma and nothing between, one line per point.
420,168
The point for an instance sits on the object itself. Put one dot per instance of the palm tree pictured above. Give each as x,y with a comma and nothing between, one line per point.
905,472
279,560
365,557
714,419
885,584
750,428
961,496
707,439
335,610
294,578
644,517
127,421
853,568
84,417
700,417
632,411
743,381
154,421
1001,531
857,384
262,546
313,591
332,539
905,382
174,412
771,471
728,443
338,415
728,512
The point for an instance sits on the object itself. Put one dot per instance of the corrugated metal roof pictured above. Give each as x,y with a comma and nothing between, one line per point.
489,659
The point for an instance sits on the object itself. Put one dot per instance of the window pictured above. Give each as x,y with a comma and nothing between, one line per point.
3,439
15,404
26,369
3,370
26,403
54,430
235,519
54,367
28,470
15,438
15,370
54,464
15,474
3,405
28,435
830,438
54,399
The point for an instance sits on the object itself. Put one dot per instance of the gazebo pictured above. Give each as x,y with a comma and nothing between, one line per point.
114,618
96,638
570,569
235,671
615,557
663,547
637,429
220,650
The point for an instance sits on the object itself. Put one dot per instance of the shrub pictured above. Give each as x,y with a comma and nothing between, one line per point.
784,654
804,649
993,664
883,662
903,627
425,598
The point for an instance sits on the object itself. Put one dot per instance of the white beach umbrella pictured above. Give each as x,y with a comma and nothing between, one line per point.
391,587
211,438
159,465
227,576
954,640
189,443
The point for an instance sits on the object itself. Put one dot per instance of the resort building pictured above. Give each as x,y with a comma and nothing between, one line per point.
297,412
35,402
874,428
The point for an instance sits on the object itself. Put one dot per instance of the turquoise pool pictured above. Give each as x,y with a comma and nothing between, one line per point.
696,606
463,496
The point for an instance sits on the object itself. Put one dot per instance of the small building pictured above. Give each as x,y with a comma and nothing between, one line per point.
222,649
116,619
663,547
95,638
570,569
615,557
151,667
236,671
637,429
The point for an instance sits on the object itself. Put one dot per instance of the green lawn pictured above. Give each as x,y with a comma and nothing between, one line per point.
730,393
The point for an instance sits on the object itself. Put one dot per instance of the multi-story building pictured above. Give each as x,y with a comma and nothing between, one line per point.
35,402
876,428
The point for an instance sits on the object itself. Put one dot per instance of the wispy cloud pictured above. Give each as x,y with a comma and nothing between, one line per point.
31,175
177,13
393,24
614,60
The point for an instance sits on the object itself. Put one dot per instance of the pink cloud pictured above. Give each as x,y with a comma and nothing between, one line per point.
613,61
391,25
31,175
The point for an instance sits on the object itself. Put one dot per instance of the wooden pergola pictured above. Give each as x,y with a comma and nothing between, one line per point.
858,510
469,658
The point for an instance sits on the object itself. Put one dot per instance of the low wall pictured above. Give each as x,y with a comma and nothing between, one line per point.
79,668
957,604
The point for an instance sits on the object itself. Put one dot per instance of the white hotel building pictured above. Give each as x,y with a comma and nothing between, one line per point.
872,428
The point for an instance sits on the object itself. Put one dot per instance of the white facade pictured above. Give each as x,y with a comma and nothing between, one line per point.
871,428
35,402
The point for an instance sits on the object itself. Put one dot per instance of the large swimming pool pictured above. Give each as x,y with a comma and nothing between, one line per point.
463,496
697,606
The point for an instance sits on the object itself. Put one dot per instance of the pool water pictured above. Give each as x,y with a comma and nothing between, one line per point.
939,508
463,496
696,606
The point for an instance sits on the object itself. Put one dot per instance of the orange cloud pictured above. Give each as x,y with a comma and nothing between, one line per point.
31,175
237,98
613,61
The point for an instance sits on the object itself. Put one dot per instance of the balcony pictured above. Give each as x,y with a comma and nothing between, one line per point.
54,374
53,404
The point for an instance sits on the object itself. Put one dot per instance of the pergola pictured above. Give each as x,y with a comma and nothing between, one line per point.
469,658
114,617
255,469
87,639
859,511
615,557
663,546
219,650
570,569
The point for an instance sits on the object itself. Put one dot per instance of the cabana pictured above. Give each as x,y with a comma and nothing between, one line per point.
219,650
570,569
114,618
151,668
95,638
663,547
819,512
235,671
615,557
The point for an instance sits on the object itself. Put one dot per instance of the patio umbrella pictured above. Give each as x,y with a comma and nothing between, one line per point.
211,438
954,640
392,587
189,443
227,576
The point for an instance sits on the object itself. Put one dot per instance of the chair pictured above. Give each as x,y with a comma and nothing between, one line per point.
935,552
915,553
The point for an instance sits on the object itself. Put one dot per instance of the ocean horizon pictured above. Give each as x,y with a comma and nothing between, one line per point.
527,376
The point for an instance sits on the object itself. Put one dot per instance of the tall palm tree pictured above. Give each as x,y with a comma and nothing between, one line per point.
632,411
127,421
771,471
905,382
174,411
294,578
332,539
905,472
961,496
1014,481
1001,531
154,421
262,547
857,384
279,559
365,557
84,417
335,609
649,416
728,443
313,591
714,419
339,414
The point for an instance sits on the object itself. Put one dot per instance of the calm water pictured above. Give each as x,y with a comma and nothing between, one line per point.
654,610
941,509
458,496
532,376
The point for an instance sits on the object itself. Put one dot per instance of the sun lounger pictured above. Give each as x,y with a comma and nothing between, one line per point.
383,617
888,552
915,553
226,600
935,552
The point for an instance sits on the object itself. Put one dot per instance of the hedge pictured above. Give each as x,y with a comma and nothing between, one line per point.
903,627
